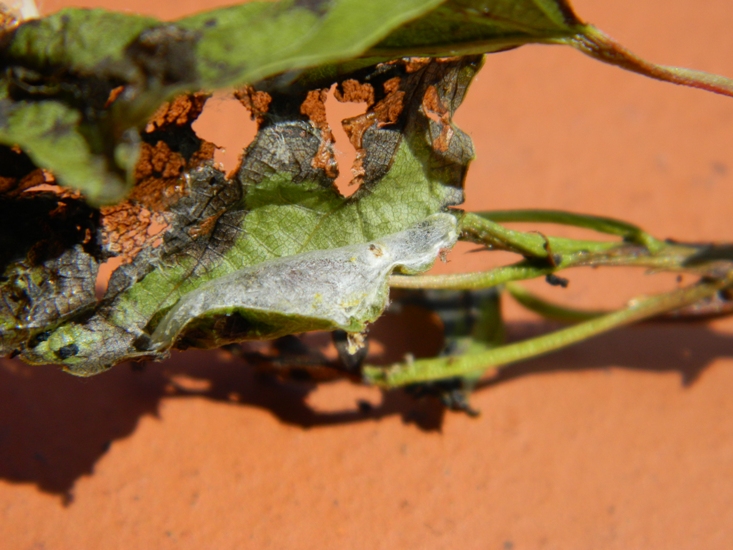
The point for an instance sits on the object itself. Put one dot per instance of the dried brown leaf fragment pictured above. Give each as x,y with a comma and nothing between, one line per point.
314,107
255,101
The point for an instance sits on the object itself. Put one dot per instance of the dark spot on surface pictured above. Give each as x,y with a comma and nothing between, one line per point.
210,23
319,7
166,53
300,375
67,351
376,250
365,407
142,343
42,337
14,163
719,168
451,392
554,280
568,15
138,366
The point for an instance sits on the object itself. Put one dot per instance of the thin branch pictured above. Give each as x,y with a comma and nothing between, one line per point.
426,370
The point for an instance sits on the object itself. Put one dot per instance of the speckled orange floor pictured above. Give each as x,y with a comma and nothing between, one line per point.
624,442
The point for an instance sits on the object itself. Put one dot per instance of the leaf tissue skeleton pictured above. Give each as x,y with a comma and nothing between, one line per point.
340,288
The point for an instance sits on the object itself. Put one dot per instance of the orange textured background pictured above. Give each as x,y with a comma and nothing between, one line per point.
623,442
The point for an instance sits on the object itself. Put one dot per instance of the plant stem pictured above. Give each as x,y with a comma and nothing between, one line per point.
610,226
547,255
478,228
425,370
623,255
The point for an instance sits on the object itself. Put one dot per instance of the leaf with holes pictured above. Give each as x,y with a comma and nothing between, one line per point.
282,203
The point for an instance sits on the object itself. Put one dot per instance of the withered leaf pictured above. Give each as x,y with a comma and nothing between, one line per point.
280,203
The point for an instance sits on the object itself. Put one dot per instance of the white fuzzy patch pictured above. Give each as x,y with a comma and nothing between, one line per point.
340,285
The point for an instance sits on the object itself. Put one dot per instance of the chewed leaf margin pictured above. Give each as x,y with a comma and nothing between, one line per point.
282,202
88,80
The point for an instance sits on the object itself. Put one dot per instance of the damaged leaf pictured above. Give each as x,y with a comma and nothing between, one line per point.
80,104
61,72
49,133
92,78
49,260
281,203
339,288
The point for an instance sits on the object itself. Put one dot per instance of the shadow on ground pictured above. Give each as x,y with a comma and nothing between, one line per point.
54,427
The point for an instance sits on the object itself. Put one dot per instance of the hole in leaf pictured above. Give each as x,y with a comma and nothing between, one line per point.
337,111
104,273
228,124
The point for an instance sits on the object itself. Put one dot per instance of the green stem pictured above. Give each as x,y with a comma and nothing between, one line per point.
472,281
595,43
426,370
673,260
609,226
479,229
566,253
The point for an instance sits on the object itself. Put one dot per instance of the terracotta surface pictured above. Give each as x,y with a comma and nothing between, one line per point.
623,442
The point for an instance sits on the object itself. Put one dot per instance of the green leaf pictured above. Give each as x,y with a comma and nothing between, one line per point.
280,205
251,42
50,134
98,51
80,57
462,27
80,41
76,88
48,265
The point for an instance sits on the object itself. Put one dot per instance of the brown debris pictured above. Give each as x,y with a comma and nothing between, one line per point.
12,187
388,110
157,176
433,107
385,112
113,95
314,107
138,222
205,227
354,91
183,110
256,102
414,64
128,227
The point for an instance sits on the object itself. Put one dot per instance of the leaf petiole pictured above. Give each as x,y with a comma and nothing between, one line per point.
426,370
